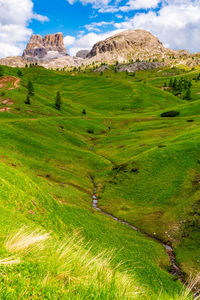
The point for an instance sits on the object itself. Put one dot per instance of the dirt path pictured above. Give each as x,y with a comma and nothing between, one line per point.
9,79
175,269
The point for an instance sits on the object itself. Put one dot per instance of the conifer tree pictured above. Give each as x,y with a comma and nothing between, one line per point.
30,88
1,71
28,100
58,101
188,94
171,83
175,84
19,73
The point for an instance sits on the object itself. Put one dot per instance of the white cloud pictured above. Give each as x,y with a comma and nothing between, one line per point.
94,3
14,19
69,40
109,6
94,26
139,4
177,24
87,41
40,18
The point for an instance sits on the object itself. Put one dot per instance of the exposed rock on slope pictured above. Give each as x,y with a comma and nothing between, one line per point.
133,67
13,61
130,44
49,47
82,53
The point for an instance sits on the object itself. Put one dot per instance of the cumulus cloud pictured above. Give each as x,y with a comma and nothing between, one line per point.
14,19
94,26
87,41
69,40
177,24
139,4
94,3
109,6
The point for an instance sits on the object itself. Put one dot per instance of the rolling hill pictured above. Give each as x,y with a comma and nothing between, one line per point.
108,139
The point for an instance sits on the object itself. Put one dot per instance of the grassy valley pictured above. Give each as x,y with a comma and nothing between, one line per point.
54,244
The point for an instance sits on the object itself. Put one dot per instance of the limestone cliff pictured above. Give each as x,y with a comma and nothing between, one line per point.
128,45
49,47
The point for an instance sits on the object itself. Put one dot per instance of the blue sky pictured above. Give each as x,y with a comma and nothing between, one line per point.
72,18
84,22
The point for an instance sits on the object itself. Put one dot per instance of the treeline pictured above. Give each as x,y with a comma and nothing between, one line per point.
181,87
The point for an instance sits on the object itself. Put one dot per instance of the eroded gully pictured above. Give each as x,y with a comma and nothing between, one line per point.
174,269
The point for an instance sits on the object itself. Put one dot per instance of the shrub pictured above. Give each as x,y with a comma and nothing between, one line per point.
170,114
90,131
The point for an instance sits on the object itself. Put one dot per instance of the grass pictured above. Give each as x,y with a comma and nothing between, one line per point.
146,169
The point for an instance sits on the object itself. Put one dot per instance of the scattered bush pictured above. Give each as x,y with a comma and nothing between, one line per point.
90,131
170,114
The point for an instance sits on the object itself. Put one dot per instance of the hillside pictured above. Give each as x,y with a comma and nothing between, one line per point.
109,141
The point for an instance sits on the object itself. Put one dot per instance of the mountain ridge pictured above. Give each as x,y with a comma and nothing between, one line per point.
124,47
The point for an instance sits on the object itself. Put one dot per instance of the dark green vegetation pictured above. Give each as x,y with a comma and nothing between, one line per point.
146,168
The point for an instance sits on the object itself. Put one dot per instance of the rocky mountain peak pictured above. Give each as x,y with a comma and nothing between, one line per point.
129,44
51,46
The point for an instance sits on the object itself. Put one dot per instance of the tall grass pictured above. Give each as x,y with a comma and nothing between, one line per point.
71,266
73,271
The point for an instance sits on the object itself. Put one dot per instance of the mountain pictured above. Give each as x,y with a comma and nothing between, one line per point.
82,53
49,47
130,44
125,47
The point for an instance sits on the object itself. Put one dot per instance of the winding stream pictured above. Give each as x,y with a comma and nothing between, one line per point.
174,270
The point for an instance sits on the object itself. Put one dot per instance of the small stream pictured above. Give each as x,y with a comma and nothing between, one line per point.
174,270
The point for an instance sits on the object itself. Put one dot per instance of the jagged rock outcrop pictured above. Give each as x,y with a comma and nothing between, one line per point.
49,47
82,53
128,45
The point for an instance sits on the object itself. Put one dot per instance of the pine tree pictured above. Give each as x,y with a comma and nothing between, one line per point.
58,101
30,88
1,71
171,83
19,73
180,85
185,85
28,100
188,94
175,84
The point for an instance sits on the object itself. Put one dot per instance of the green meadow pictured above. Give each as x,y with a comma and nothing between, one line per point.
53,243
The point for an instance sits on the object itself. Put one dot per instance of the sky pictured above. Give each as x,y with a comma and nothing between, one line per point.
84,22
